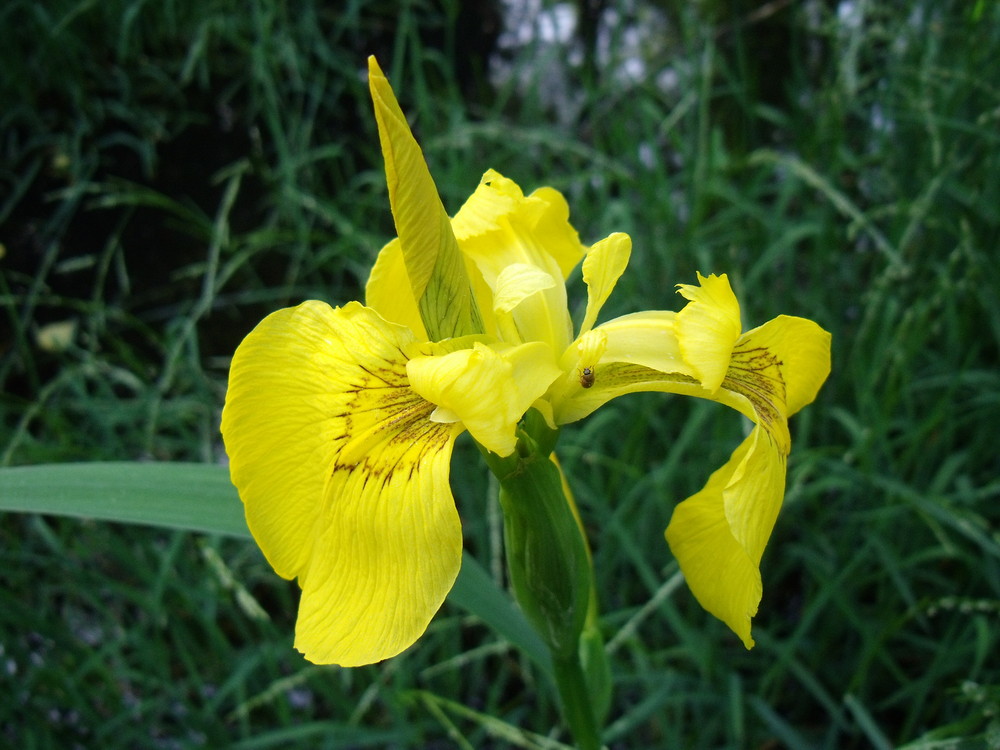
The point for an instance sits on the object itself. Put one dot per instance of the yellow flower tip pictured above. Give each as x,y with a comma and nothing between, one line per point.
434,265
382,95
708,327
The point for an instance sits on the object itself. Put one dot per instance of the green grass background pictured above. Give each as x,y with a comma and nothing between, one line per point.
172,171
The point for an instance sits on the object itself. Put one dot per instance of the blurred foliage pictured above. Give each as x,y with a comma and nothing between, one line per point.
170,172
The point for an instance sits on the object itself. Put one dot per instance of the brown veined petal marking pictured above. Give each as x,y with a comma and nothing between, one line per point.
755,372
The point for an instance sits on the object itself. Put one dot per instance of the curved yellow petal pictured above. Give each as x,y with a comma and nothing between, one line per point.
544,213
516,283
499,227
554,232
688,352
631,353
434,264
757,384
718,535
344,478
803,350
767,374
573,400
644,338
605,263
708,327
389,292
487,391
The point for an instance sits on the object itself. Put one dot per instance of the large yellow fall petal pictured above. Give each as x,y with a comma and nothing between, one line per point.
344,478
718,535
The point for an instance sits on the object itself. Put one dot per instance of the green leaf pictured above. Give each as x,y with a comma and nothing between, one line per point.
192,497
200,497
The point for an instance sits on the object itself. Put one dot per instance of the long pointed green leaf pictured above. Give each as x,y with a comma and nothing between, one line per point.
200,497
192,497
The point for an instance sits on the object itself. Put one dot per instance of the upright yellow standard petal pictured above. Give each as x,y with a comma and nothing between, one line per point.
434,265
499,227
344,478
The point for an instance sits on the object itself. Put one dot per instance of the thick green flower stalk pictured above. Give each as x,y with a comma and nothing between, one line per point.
339,421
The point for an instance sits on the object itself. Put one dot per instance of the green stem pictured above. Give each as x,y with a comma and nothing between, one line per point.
578,712
551,574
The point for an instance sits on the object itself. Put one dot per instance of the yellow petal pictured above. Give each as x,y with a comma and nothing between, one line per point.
644,338
516,283
499,227
755,385
487,391
554,231
718,535
344,478
389,292
545,212
771,371
803,350
434,264
605,262
708,327
631,353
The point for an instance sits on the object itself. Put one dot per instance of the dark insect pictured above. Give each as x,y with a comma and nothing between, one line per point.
587,377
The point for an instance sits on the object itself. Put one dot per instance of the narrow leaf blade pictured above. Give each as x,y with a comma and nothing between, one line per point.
200,497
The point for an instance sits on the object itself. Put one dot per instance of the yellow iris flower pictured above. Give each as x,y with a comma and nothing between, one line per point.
339,422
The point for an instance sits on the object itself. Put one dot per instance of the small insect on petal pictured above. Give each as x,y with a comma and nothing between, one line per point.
587,377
